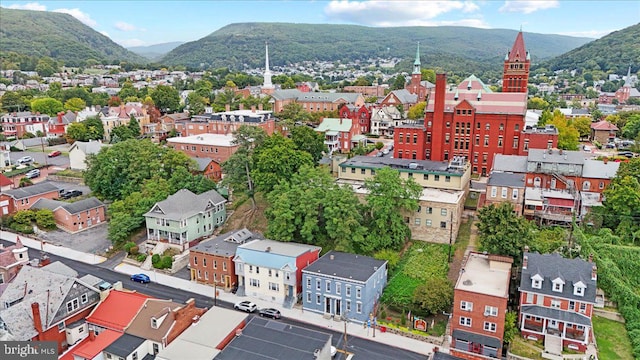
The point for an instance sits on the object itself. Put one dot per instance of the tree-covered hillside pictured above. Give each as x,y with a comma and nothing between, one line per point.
613,52
59,36
448,47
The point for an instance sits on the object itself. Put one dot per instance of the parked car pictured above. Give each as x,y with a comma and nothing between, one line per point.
334,351
105,285
247,306
25,160
54,153
32,174
70,194
628,154
141,278
270,312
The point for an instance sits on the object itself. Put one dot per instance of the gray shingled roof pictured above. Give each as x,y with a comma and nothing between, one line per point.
225,244
567,157
510,163
89,147
345,265
202,162
72,208
597,169
423,166
405,96
184,204
264,339
476,338
124,345
551,313
32,190
552,266
506,179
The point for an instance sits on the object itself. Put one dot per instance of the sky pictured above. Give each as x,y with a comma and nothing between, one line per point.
146,22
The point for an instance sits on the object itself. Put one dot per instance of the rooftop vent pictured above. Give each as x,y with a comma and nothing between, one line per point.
467,282
413,166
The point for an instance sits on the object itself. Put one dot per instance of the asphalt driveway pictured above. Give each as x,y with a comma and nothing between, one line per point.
93,240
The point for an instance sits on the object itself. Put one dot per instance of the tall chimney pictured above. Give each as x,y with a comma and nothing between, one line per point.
92,334
594,272
37,319
227,107
525,261
253,108
260,107
591,257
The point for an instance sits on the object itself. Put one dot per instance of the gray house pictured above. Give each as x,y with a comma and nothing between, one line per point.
343,284
184,217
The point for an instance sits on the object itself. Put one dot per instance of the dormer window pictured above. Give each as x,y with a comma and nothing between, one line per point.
536,281
578,288
154,323
558,284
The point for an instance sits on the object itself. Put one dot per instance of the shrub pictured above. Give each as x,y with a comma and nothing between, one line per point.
141,257
166,262
155,259
127,247
134,250
45,219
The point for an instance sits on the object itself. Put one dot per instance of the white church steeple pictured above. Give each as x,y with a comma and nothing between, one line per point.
267,85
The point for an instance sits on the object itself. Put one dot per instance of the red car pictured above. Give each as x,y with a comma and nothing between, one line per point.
54,153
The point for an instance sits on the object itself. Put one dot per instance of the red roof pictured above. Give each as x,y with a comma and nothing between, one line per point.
88,349
518,52
604,125
117,310
5,181
561,202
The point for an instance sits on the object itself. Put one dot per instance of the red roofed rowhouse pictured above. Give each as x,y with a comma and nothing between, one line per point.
603,131
116,311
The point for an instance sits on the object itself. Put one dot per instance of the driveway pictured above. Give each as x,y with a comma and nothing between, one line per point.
93,240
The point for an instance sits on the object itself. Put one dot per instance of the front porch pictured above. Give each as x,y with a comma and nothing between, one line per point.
574,335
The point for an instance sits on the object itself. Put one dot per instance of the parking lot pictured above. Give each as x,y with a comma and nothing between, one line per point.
93,240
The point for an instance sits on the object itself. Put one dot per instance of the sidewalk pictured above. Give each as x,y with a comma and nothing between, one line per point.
353,329
53,249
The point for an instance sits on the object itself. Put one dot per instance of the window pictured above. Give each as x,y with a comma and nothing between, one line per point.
487,126
443,224
309,297
578,290
400,136
436,177
501,126
318,284
348,309
206,275
490,311
204,260
257,269
514,194
415,138
515,142
601,185
417,221
494,191
499,141
504,193
328,286
477,140
338,288
274,286
353,170
73,305
270,274
465,321
195,260
489,326
362,171
536,283
526,144
254,282
84,298
318,299
486,140
61,326
446,138
224,266
443,212
583,307
134,356
572,305
447,178
555,304
250,268
429,210
557,285
466,305
428,222
308,283
348,290
359,307
358,292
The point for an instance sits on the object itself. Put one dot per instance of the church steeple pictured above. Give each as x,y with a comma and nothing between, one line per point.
627,81
416,63
266,84
516,67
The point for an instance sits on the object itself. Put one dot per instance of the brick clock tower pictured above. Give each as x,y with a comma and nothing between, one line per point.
516,67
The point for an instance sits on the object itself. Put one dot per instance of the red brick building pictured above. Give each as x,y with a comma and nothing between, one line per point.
479,306
416,86
218,147
340,134
211,261
76,216
474,122
556,301
361,115
14,200
227,122
209,168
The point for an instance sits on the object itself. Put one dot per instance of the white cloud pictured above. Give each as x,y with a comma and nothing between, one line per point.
78,14
28,6
527,7
130,42
105,33
394,13
121,25
596,34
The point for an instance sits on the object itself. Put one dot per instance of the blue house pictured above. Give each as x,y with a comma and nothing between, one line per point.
343,284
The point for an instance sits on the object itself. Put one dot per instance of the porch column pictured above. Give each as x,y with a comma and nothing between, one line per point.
564,330
544,325
522,322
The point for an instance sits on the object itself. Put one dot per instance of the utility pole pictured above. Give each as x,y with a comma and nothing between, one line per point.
345,320
450,235
215,293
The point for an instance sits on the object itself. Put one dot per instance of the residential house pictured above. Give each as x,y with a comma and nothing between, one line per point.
480,299
361,115
160,130
209,168
161,321
218,147
12,258
263,339
272,270
92,346
370,90
228,121
121,115
314,101
344,285
127,347
40,304
505,187
79,151
17,124
340,135
206,338
116,311
5,184
603,131
556,301
185,217
400,98
14,200
57,127
76,216
211,261
385,119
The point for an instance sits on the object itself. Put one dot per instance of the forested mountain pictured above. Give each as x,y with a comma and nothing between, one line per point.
157,51
59,36
449,47
613,52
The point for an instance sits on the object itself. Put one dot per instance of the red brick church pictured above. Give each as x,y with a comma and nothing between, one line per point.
474,122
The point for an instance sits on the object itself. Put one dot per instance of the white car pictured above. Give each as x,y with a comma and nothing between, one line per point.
247,306
25,160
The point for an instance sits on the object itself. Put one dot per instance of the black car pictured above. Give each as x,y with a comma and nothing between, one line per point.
270,312
70,194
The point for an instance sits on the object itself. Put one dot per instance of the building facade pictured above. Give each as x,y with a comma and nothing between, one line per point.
76,216
14,200
227,122
344,285
218,147
340,135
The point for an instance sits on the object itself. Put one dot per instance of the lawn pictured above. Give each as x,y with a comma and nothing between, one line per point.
526,348
613,341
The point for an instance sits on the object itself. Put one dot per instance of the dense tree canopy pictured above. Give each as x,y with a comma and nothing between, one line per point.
307,139
502,232
276,160
166,98
47,106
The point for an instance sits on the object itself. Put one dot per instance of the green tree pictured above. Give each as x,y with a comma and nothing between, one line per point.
127,90
276,160
434,296
227,97
631,128
545,118
416,112
389,197
166,98
502,232
12,101
75,104
45,219
306,139
568,136
583,125
196,103
47,106
398,83
76,132
95,128
547,240
120,133
429,75
134,126
536,103
622,203
47,67
292,113
510,326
